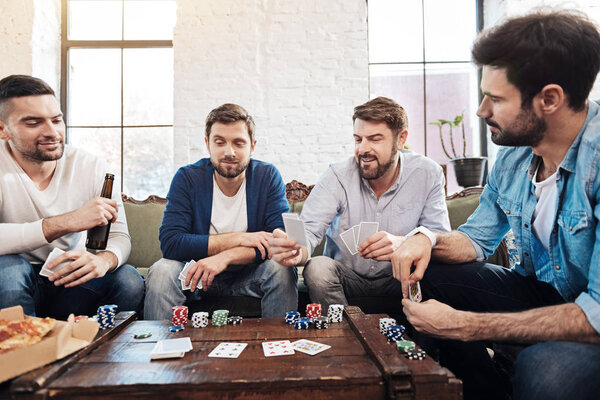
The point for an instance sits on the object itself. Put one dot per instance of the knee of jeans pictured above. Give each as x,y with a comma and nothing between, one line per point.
538,373
279,274
130,281
320,271
163,274
16,272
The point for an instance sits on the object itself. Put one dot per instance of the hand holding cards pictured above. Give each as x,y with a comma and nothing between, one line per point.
294,228
354,236
55,253
183,275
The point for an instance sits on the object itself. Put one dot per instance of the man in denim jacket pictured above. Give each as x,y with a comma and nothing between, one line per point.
538,71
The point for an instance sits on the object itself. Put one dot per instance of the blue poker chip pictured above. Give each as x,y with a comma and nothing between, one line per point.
176,328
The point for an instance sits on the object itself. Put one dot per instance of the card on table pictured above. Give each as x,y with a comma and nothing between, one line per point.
278,348
366,229
414,292
171,348
228,350
349,240
294,228
53,254
309,347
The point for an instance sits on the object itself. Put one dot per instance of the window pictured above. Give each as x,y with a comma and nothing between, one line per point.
419,55
117,87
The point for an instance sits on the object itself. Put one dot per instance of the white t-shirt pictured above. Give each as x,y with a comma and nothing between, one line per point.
545,209
78,178
228,214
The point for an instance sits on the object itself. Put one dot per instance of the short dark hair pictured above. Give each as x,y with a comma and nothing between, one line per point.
227,114
382,109
560,47
20,86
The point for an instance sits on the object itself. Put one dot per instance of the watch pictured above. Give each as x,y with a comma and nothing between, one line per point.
424,231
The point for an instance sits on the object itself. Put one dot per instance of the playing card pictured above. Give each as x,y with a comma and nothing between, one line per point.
356,229
53,254
309,347
367,229
228,350
278,348
294,228
349,241
414,292
290,215
171,348
183,275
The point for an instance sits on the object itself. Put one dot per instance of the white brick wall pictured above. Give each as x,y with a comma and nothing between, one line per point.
299,67
15,36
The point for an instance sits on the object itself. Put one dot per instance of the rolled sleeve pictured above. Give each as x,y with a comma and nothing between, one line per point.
591,309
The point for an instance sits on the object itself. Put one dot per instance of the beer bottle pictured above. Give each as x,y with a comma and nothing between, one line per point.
97,237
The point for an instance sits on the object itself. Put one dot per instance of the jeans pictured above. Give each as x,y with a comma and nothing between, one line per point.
274,284
483,287
331,282
21,284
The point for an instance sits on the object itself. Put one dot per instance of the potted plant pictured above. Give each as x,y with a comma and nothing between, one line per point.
469,170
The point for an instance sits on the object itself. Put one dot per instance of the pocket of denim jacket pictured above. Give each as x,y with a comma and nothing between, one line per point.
510,208
572,221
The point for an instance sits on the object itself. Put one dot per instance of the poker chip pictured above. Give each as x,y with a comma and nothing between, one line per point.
335,312
200,319
384,323
321,322
142,335
291,317
219,317
405,345
235,320
176,328
415,354
303,323
106,316
179,315
395,333
313,310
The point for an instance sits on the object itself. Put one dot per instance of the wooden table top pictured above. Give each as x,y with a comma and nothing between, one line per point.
360,364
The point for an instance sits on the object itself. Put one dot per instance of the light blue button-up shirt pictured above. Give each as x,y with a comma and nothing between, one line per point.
342,199
572,263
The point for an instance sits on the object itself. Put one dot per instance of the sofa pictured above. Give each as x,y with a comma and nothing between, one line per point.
144,219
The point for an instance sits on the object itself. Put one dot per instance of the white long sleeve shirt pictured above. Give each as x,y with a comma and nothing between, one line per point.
78,177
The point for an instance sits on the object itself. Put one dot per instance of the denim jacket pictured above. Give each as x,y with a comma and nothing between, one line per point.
572,263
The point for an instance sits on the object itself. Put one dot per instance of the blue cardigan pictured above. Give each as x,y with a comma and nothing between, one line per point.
184,230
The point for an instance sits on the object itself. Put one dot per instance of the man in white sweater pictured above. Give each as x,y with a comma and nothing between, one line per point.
49,198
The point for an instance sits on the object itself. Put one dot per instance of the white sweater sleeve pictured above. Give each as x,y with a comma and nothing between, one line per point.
21,238
119,241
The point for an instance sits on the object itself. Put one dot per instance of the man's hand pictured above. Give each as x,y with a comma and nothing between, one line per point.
416,250
97,211
380,246
286,251
437,319
205,271
259,240
84,266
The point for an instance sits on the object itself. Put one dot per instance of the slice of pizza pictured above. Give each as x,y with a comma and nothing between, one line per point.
16,334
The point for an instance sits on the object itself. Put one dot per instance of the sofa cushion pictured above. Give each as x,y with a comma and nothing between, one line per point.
144,219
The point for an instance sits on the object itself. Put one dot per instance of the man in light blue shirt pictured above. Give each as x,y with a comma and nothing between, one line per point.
398,189
538,71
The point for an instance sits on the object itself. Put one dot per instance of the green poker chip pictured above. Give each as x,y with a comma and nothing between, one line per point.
142,335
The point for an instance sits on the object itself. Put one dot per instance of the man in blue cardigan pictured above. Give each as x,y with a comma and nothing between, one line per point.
221,212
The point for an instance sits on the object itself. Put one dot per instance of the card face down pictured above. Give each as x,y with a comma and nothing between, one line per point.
294,228
171,348
349,240
366,229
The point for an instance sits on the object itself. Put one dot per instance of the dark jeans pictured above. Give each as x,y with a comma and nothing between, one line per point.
21,284
546,370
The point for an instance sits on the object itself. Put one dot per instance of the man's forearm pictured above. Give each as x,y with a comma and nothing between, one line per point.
453,247
239,255
110,258
55,227
223,241
565,322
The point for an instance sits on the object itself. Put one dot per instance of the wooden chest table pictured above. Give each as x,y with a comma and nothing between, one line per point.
360,364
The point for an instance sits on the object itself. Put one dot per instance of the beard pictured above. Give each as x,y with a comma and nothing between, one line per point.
229,172
39,155
526,130
381,169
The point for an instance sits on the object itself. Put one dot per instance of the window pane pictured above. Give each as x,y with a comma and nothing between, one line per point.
451,91
94,87
149,20
395,31
95,20
404,84
147,162
148,86
104,143
449,29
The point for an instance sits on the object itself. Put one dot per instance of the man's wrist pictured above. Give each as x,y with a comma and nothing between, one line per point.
424,231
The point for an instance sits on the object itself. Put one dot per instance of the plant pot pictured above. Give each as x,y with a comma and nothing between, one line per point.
469,171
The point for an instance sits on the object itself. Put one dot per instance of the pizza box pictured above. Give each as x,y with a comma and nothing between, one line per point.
65,338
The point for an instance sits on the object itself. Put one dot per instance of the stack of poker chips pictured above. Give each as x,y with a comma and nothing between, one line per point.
415,354
200,319
395,333
219,317
179,314
106,316
321,322
234,320
313,310
334,312
384,323
302,323
405,345
291,317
